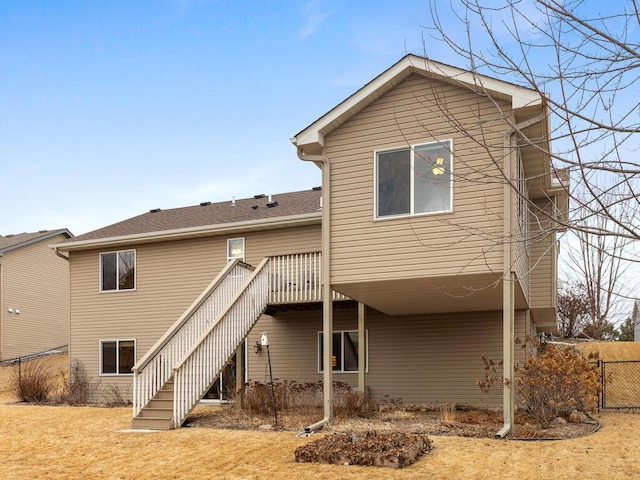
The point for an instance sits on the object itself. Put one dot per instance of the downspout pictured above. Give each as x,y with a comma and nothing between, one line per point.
327,294
508,282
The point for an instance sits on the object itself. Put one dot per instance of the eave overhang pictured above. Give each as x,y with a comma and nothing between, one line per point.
46,236
311,139
193,232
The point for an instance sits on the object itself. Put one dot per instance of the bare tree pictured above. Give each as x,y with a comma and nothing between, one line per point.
573,309
585,64
583,59
596,262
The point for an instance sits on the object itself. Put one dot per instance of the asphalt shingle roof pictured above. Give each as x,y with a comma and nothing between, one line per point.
9,242
211,214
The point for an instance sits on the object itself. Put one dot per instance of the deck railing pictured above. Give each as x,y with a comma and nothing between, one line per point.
196,348
200,366
297,278
156,366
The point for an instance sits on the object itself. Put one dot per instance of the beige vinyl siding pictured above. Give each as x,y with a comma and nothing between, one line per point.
543,258
467,241
420,359
36,282
169,277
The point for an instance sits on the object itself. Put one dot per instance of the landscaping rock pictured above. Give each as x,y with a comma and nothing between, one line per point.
577,417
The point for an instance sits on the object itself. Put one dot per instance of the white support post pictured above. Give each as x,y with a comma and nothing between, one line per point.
508,350
362,344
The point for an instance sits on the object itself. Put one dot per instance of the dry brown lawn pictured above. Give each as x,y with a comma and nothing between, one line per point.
40,442
611,351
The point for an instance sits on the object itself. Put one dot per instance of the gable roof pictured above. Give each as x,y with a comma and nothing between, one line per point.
259,212
19,240
311,139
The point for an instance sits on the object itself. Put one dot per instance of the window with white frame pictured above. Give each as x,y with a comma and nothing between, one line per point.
235,249
118,271
345,351
117,357
414,180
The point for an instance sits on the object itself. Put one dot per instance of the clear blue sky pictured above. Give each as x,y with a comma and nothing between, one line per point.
109,109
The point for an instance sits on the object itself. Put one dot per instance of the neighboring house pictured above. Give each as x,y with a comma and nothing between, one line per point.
635,318
34,293
434,259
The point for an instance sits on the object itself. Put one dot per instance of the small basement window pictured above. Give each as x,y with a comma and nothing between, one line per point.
117,357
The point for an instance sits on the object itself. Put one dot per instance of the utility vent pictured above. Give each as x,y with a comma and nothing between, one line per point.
154,210
42,231
261,195
233,201
315,189
272,204
204,204
255,207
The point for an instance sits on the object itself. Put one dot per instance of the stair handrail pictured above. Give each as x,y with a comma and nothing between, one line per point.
255,289
226,285
184,318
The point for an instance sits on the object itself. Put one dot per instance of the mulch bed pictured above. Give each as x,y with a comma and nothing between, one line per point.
476,423
370,448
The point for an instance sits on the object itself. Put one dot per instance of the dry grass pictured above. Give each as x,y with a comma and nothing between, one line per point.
58,364
85,442
611,351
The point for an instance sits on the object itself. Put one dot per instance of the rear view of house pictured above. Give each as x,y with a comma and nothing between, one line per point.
34,293
431,243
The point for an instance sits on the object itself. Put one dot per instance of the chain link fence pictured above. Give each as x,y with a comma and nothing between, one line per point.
620,382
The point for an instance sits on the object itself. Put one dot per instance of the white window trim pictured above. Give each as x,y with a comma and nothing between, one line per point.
135,272
342,332
244,249
117,340
412,148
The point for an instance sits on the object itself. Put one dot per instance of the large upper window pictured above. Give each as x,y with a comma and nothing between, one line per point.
117,357
118,271
345,351
413,181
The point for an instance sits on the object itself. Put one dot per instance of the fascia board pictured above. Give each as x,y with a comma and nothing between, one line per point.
314,133
46,236
191,232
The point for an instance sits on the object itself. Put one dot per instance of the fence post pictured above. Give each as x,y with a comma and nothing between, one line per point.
602,383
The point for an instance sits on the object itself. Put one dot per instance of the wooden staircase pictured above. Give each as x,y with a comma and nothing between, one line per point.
173,376
157,414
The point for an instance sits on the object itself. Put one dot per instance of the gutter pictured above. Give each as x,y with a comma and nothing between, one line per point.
327,297
204,230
